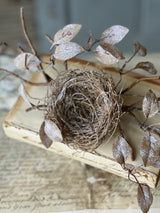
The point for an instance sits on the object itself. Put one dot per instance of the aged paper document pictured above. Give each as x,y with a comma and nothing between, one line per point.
113,211
34,180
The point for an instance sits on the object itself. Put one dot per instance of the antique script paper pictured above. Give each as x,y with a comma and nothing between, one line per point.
34,180
113,211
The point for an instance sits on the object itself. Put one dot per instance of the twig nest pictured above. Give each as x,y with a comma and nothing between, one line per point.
85,106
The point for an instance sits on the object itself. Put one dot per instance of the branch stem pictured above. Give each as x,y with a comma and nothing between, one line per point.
90,48
39,107
47,77
25,31
144,127
123,66
126,62
49,38
138,81
22,79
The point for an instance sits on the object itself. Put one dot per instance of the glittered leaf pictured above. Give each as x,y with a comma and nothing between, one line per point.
144,197
114,34
67,50
121,150
66,34
22,93
52,131
26,61
150,104
150,151
113,50
104,56
139,49
147,66
46,141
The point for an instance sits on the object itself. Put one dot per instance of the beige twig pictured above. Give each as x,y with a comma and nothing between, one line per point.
22,79
30,43
138,81
25,31
49,38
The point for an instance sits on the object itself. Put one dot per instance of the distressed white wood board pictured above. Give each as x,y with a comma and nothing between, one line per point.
24,126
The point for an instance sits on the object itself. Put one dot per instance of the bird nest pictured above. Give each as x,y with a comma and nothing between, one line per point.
85,106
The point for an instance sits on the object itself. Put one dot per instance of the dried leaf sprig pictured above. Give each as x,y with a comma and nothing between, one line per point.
122,151
105,52
85,106
26,60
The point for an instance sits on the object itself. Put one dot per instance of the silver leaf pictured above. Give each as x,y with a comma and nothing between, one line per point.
67,50
150,151
121,150
46,141
26,61
150,104
113,50
52,131
104,56
139,49
144,197
147,66
66,34
114,34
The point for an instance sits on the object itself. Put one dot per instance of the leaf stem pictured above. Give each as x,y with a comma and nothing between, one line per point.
123,66
136,180
39,107
90,48
138,81
47,77
133,175
25,31
130,70
144,127
22,79
129,108
49,38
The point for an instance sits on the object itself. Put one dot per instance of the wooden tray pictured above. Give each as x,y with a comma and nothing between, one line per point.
24,126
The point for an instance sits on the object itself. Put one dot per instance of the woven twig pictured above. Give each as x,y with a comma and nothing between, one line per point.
85,107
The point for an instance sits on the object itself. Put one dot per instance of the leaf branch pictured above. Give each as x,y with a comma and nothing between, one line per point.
144,127
30,43
24,80
35,107
138,81
25,31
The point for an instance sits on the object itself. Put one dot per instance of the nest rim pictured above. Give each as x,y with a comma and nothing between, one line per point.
85,106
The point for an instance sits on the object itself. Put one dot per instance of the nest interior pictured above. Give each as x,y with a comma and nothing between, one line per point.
85,106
